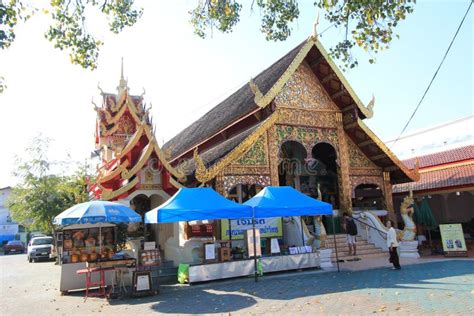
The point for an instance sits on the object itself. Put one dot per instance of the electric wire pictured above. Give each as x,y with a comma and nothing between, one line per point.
434,76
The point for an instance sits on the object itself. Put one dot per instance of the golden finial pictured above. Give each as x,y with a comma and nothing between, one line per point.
100,89
370,107
96,108
201,171
123,83
256,91
315,28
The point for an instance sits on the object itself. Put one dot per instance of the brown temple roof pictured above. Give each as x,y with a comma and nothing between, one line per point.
234,107
214,154
442,170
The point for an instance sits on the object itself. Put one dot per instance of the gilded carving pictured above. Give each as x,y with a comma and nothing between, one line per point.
366,172
345,201
303,90
357,157
231,181
204,175
307,136
256,155
243,170
307,117
273,149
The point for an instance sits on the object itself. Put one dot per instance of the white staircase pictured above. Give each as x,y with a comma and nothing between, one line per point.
365,250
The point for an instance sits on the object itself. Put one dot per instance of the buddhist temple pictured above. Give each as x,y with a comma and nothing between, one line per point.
297,123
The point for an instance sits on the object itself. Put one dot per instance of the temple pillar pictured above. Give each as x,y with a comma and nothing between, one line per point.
345,202
387,193
273,148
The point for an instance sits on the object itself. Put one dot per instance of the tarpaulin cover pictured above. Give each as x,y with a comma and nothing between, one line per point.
194,204
97,212
286,201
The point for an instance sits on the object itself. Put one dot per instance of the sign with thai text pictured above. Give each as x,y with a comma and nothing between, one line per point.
452,237
269,227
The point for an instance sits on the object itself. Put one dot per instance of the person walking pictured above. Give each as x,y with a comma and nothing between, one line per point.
392,244
350,228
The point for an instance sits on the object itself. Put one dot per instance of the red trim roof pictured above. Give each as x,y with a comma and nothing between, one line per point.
444,157
438,179
450,168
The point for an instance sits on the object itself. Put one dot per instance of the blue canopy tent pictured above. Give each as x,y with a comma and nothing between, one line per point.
286,201
192,204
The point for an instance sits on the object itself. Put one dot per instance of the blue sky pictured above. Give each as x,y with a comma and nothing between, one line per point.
185,76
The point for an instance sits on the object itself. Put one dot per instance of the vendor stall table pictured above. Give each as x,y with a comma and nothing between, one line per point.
90,284
239,268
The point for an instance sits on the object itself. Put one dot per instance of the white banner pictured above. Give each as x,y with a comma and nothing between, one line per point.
269,227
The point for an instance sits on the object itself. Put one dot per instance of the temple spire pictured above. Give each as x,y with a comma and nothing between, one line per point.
123,83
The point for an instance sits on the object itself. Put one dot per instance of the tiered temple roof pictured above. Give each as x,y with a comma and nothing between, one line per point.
127,145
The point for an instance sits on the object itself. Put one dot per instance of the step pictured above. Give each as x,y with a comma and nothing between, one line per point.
358,247
359,251
366,256
339,244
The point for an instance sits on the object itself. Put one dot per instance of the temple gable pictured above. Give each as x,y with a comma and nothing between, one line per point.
303,90
357,159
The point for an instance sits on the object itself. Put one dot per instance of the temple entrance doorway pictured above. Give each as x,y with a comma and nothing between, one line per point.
323,176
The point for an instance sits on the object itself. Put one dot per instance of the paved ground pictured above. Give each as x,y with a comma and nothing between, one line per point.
436,287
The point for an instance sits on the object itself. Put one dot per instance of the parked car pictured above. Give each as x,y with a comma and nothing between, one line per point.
14,246
41,248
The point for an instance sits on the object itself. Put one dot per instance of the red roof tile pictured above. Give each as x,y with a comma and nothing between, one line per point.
441,178
448,156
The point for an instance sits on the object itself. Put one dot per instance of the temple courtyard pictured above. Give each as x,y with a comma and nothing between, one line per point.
423,286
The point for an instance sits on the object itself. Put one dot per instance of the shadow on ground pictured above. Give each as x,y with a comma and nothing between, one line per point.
239,294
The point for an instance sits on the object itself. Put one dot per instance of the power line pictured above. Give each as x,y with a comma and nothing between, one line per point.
434,76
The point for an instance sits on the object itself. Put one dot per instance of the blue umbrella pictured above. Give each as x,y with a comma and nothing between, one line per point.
93,212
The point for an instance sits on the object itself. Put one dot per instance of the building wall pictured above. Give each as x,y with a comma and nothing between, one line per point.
8,228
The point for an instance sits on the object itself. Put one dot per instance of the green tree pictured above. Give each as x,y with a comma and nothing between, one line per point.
41,194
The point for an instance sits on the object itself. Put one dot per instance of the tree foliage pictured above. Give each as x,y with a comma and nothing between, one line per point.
68,29
368,24
41,194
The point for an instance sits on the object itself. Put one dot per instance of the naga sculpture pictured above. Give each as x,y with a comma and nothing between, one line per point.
407,210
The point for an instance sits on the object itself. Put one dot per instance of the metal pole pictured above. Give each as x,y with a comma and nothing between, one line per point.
335,243
302,231
254,246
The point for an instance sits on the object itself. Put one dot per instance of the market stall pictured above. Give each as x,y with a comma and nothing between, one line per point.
233,258
87,240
